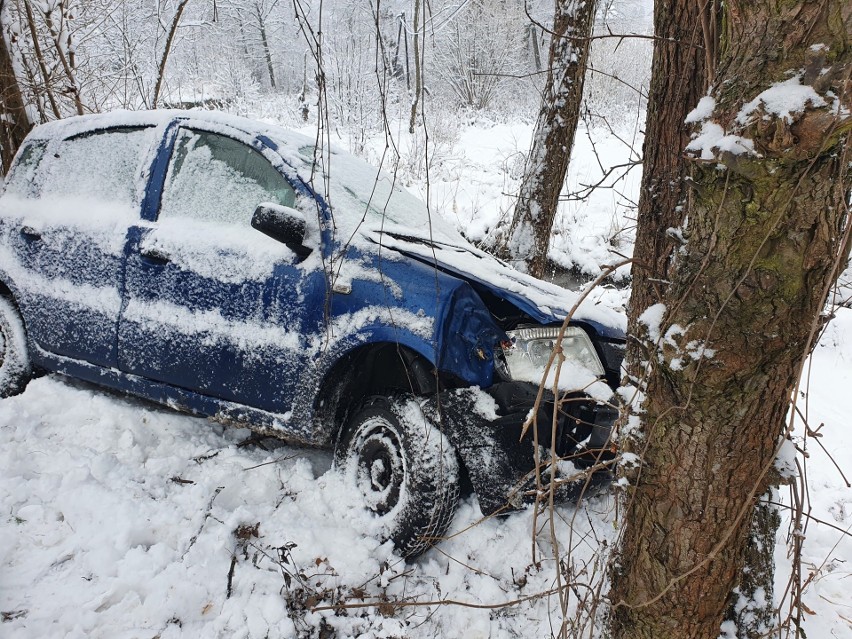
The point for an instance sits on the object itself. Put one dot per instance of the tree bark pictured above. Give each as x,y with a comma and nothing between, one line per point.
15,126
766,236
529,234
267,53
678,82
418,71
751,608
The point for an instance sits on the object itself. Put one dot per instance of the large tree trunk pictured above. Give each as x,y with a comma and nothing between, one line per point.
684,60
547,164
765,237
677,83
14,123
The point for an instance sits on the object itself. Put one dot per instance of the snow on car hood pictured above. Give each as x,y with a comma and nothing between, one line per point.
369,202
544,302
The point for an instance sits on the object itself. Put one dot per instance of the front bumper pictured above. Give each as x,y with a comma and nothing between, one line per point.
487,429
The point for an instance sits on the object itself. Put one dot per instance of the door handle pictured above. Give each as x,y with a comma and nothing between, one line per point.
155,256
30,233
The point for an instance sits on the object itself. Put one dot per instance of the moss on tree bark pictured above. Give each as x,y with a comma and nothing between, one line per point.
764,240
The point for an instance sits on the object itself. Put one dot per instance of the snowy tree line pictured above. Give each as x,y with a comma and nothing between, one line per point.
255,57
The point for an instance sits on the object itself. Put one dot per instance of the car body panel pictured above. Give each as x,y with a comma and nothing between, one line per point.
67,247
545,303
213,309
236,326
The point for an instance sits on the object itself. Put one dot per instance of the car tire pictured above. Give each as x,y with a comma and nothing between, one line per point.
406,471
15,370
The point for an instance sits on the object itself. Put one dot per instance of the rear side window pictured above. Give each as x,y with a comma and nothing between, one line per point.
102,166
21,180
215,178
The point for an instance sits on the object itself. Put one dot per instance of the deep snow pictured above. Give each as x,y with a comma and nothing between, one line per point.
119,518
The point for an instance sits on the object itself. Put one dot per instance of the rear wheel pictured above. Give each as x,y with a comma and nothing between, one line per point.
405,470
15,369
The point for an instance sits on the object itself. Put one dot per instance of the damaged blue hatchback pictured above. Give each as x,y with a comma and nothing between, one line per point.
245,273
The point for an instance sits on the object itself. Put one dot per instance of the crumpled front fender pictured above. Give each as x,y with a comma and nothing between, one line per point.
468,338
501,463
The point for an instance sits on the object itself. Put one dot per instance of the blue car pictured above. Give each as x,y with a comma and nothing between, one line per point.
239,271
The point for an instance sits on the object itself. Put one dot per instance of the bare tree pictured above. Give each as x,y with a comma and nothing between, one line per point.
476,55
766,236
529,234
44,48
267,53
56,19
15,124
161,74
418,68
40,60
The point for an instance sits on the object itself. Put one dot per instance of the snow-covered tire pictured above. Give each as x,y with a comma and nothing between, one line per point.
15,369
405,470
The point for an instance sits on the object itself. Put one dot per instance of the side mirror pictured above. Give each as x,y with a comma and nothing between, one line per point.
283,224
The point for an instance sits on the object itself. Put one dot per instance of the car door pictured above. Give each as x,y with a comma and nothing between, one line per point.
68,231
211,304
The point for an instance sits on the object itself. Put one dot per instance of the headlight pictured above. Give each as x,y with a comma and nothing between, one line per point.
528,350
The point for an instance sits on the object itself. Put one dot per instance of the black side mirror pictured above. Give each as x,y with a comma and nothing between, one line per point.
283,224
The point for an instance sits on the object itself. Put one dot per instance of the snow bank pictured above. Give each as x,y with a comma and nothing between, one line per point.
122,519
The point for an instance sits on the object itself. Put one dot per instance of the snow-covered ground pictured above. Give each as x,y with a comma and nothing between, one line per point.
828,546
121,519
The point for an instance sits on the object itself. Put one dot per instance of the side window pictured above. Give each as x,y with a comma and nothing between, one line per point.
21,180
103,166
213,177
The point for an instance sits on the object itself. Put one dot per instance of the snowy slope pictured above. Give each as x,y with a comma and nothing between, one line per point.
119,520
827,551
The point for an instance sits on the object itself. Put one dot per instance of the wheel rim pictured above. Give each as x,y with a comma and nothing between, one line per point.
380,467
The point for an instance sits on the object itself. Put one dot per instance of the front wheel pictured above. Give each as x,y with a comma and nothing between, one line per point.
405,470
15,369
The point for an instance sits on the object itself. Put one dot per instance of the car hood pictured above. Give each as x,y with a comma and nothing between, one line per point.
546,303
371,202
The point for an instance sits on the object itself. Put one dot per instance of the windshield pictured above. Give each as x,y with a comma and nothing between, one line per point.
364,198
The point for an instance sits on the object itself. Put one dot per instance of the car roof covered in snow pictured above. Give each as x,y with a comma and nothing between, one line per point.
366,203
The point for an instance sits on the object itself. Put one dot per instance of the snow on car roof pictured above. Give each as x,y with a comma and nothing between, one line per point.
369,197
